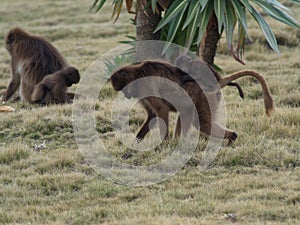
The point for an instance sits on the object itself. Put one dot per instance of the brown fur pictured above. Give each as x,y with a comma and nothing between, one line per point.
52,89
32,58
158,107
196,69
268,100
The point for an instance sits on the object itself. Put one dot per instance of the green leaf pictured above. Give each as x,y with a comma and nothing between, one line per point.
172,31
153,4
241,14
219,7
100,4
241,40
172,12
203,21
269,35
191,30
174,26
247,5
117,8
278,4
230,21
203,3
277,14
193,8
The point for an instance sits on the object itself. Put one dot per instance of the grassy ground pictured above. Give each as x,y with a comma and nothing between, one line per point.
257,180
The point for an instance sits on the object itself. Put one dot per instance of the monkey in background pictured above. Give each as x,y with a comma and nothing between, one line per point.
206,103
52,89
32,58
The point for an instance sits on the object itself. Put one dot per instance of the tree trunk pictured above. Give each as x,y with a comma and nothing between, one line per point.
146,22
208,46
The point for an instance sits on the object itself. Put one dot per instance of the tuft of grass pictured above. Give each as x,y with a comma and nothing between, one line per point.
13,152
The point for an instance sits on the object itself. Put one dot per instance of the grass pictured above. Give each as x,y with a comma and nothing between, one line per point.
257,179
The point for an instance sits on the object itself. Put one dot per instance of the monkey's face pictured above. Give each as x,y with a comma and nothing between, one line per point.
121,80
14,37
9,42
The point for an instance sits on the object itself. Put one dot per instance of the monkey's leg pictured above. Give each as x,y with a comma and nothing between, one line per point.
177,131
145,127
217,131
185,127
164,123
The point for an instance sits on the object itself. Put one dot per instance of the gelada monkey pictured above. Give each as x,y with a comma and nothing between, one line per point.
53,87
32,58
206,103
199,71
154,106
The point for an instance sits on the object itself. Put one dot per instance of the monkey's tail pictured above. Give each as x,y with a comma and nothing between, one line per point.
268,100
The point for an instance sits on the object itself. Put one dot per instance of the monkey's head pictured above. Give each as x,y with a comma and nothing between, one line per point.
121,79
72,76
13,37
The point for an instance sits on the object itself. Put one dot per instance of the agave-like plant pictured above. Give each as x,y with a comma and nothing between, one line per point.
199,24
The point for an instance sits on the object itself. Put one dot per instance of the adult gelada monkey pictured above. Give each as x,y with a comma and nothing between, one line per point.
52,89
154,106
201,71
206,103
32,58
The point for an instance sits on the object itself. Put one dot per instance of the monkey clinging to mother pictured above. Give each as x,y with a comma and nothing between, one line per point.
32,59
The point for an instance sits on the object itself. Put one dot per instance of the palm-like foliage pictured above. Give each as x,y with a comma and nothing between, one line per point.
117,5
186,22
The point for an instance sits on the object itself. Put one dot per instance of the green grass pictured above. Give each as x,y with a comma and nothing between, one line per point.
257,179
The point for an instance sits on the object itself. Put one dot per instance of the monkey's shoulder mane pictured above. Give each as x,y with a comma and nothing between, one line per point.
158,68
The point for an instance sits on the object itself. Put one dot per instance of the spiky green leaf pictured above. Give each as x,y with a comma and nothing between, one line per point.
219,8
277,14
230,21
191,30
194,7
203,3
172,12
153,4
269,35
241,14
203,21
